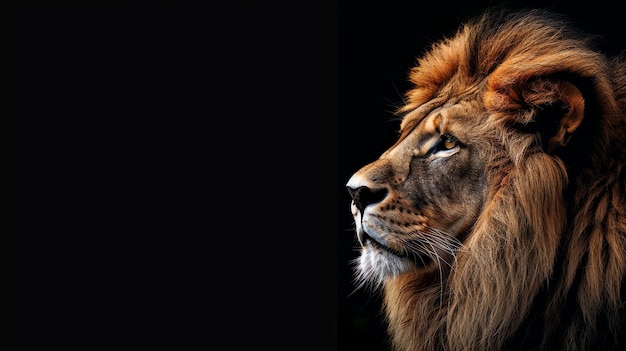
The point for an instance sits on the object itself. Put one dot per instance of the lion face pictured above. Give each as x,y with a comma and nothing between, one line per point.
416,203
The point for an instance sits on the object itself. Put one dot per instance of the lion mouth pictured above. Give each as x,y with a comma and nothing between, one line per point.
365,239
419,259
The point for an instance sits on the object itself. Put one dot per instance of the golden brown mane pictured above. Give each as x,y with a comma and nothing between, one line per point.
555,221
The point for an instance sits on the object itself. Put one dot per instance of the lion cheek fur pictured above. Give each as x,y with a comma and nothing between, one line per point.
485,300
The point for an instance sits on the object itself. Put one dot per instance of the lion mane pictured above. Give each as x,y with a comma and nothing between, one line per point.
543,266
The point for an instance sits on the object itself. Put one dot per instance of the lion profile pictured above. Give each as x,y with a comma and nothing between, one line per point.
497,220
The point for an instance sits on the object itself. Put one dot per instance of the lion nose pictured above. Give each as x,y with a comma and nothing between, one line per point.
364,196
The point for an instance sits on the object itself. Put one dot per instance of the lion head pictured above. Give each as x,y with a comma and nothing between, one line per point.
497,220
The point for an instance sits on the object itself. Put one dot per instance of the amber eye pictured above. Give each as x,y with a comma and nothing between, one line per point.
448,142
448,145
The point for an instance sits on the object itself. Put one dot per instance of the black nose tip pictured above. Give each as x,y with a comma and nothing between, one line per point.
364,196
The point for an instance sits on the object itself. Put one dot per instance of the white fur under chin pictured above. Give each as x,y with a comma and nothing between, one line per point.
375,266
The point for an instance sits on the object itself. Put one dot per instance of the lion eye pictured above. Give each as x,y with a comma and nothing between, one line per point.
448,142
447,146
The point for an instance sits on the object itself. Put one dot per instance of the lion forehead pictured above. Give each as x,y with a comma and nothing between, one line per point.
459,118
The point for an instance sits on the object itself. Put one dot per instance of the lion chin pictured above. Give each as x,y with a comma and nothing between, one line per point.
497,220
375,266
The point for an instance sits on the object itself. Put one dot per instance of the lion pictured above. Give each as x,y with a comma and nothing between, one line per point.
497,220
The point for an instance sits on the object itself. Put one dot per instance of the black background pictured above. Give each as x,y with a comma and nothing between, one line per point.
378,44
170,175
174,172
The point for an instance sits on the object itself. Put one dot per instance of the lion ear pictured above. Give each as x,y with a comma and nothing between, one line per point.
568,118
572,97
